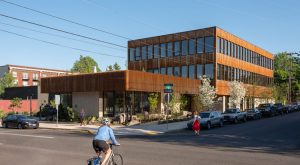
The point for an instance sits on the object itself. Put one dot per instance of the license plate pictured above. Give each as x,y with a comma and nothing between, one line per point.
33,125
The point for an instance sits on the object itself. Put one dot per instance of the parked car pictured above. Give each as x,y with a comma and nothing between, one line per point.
234,115
208,119
295,106
20,122
280,108
267,109
253,113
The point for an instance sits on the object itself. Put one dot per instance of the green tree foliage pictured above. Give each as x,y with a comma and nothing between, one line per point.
15,103
6,81
113,67
65,113
2,114
153,101
283,65
85,64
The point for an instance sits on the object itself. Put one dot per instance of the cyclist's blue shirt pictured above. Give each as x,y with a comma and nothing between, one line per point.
105,133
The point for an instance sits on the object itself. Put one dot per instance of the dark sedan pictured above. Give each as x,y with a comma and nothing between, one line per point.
20,122
253,114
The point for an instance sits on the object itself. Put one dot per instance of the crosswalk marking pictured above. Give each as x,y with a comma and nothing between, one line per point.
24,135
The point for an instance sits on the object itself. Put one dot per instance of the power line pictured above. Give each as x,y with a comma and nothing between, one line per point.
60,45
66,20
63,31
56,35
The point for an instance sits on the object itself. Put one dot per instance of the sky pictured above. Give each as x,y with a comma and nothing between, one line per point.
270,24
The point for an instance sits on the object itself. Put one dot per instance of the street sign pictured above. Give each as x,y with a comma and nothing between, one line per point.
57,102
168,90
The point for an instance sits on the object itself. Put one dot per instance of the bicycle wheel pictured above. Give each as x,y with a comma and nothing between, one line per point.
117,159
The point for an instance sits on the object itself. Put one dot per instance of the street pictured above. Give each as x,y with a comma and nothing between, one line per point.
270,141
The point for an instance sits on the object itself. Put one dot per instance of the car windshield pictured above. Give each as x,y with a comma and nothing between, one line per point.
230,111
204,115
263,105
277,104
250,110
22,117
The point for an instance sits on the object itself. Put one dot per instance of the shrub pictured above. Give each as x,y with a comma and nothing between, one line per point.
65,113
2,114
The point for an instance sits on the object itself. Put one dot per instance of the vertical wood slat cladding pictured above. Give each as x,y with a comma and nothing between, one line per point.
260,91
118,81
149,82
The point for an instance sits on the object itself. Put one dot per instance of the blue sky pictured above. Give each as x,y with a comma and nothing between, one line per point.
270,24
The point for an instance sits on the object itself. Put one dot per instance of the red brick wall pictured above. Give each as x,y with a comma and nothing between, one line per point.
25,107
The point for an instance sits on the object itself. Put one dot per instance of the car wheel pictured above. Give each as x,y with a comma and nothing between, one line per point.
221,123
20,126
208,125
245,119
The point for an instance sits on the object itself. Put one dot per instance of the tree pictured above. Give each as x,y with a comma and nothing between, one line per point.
153,101
116,66
6,81
207,93
237,92
85,65
15,103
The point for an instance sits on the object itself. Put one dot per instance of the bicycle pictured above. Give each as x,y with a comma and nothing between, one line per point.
114,158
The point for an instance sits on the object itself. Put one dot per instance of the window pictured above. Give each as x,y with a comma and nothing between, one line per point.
155,71
25,83
199,71
209,70
229,48
184,71
170,71
162,70
131,54
218,45
222,45
209,44
25,76
14,74
15,81
176,71
177,48
156,51
35,76
44,75
234,50
35,83
226,73
150,52
219,71
192,46
184,47
170,49
192,71
200,45
163,50
137,54
225,47
144,52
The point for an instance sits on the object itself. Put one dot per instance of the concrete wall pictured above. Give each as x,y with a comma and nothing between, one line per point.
89,101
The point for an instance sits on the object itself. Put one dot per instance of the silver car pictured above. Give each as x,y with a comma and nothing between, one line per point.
208,119
253,114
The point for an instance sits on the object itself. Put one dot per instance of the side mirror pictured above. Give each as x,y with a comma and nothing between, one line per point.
212,117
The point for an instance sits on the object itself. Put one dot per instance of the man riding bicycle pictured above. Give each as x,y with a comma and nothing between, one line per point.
101,140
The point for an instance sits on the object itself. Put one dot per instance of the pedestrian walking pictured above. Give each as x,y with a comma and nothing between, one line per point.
82,116
196,123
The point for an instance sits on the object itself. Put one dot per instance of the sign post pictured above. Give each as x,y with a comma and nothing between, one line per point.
57,102
168,90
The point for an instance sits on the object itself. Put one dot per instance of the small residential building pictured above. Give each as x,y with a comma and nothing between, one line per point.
29,76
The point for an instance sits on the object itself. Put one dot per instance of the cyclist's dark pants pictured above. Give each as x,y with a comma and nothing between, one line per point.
100,145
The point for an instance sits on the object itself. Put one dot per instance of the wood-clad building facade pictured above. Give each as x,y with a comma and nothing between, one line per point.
179,58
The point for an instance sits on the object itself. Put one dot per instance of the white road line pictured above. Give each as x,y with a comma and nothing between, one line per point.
45,137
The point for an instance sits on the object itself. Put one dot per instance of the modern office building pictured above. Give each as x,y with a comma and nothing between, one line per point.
180,59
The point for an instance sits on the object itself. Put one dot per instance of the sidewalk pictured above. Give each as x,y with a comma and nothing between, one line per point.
152,128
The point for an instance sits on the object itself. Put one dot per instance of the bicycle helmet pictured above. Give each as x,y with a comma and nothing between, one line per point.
105,121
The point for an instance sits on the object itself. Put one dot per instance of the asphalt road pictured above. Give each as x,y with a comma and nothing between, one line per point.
271,141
